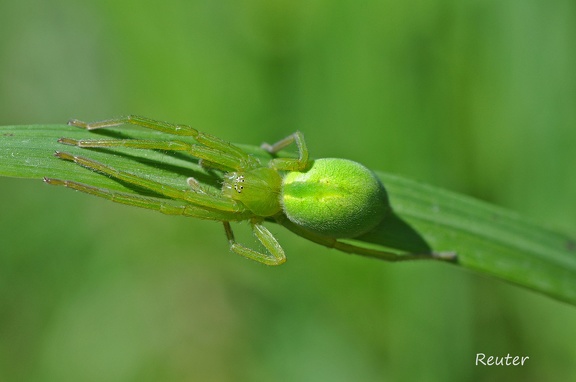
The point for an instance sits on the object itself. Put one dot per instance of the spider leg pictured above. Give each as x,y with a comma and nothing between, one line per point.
350,248
164,127
196,186
163,206
210,201
206,140
223,161
275,255
289,164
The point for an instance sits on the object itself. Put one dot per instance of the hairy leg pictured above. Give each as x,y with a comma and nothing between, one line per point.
222,161
275,255
164,206
211,201
289,164
207,140
350,248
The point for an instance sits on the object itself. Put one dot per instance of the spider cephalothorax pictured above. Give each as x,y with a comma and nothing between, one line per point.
258,190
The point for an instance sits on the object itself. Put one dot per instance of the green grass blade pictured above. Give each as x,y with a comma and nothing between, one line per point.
488,239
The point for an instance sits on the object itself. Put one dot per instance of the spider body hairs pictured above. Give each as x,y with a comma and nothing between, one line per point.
322,200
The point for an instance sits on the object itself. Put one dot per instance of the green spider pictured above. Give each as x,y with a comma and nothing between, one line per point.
322,200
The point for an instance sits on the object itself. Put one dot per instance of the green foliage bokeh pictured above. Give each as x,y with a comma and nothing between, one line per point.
477,97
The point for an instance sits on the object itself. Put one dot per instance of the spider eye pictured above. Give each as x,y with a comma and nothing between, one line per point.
238,187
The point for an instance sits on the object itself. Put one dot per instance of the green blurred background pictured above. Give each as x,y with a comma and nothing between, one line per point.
478,97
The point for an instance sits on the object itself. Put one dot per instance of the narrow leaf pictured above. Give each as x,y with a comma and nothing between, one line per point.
487,239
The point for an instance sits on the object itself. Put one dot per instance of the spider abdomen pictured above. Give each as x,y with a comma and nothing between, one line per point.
337,198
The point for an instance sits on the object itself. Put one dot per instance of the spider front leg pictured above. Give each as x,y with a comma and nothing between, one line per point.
218,159
210,201
289,164
149,123
223,155
275,255
164,206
